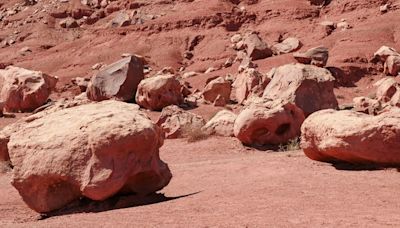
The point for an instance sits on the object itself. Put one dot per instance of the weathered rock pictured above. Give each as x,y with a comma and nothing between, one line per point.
94,151
288,45
82,83
271,125
317,56
367,105
392,65
117,81
158,92
250,83
69,23
307,86
178,123
221,124
386,88
256,47
25,90
354,137
384,52
120,20
218,87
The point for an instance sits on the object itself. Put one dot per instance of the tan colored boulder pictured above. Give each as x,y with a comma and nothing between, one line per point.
307,86
82,83
386,88
384,52
250,83
120,20
256,47
317,56
217,88
158,92
392,65
25,90
221,124
268,125
354,137
94,151
117,81
178,123
288,45
367,105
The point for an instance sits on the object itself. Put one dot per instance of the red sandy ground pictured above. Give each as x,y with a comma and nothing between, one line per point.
238,187
221,182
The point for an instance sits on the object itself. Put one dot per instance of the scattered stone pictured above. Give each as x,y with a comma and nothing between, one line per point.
386,88
392,65
317,56
236,38
268,125
221,124
160,91
189,74
120,20
384,8
218,87
367,105
97,66
344,25
329,26
384,52
246,64
288,45
307,86
256,47
25,51
25,90
118,80
94,151
81,82
250,83
69,23
177,123
357,138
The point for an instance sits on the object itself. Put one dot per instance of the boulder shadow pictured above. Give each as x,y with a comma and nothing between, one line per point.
344,166
85,205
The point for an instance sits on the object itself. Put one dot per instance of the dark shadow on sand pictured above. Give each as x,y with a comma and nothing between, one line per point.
356,167
86,205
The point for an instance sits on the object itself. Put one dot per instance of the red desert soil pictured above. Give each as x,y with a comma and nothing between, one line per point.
217,182
237,187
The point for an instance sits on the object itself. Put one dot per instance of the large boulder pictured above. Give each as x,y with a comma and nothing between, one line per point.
386,89
159,91
384,52
317,56
354,137
25,90
178,123
392,65
307,86
117,81
256,47
218,87
94,151
268,124
221,124
250,83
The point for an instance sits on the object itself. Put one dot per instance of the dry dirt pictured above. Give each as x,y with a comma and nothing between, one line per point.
218,182
235,187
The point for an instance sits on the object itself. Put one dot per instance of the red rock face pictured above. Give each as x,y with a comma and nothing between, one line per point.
95,150
117,81
25,90
356,138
